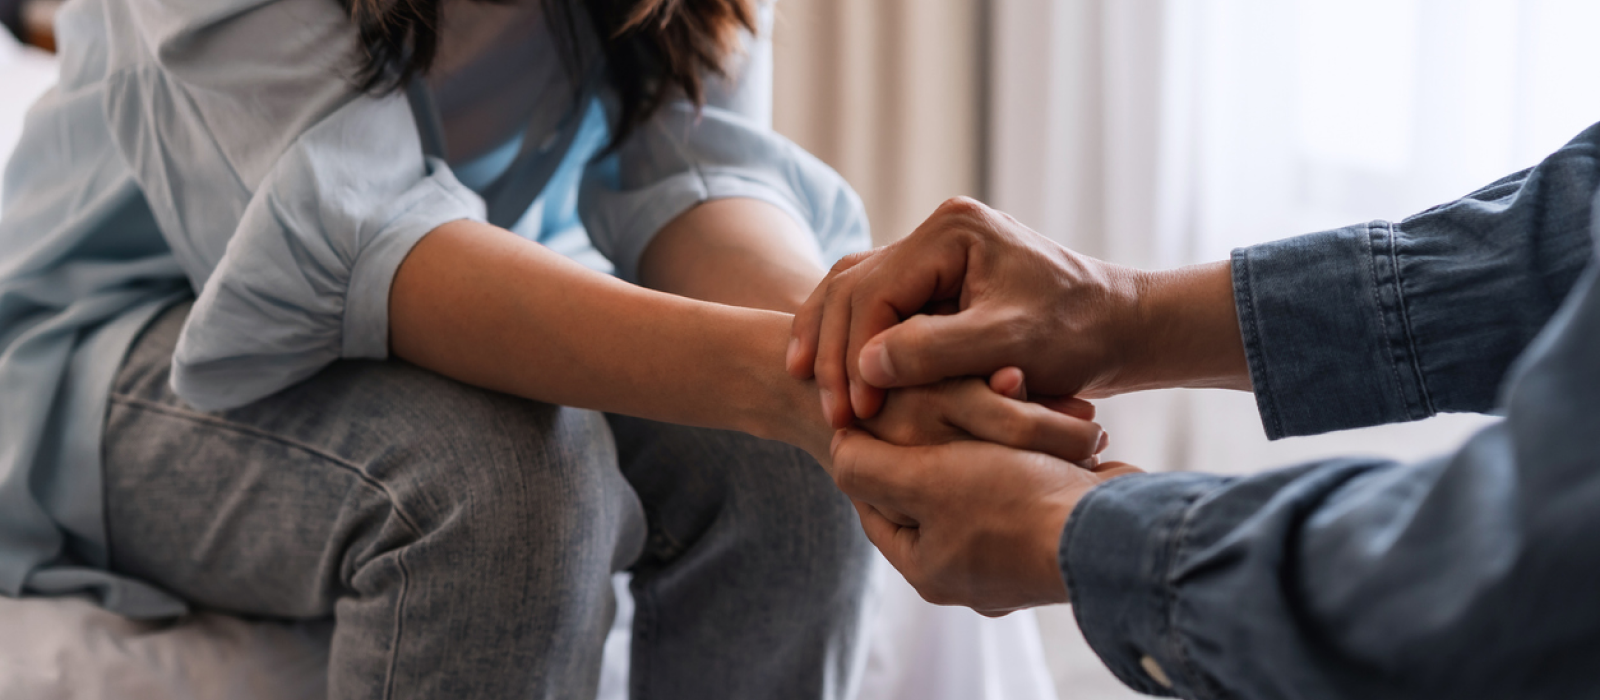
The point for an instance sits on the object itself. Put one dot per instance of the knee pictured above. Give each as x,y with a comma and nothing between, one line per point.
805,501
508,480
781,501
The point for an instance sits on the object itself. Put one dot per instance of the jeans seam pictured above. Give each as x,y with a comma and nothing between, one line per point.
242,428
337,461
399,624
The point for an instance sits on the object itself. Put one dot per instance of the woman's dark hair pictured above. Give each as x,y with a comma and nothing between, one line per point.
651,48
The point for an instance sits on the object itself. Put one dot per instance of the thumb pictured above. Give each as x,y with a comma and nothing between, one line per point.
1009,382
1070,405
927,349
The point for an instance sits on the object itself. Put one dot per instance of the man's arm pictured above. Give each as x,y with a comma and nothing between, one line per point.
1468,576
1368,324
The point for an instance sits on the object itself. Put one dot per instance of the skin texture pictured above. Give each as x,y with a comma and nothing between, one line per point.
484,306
1075,325
988,518
971,292
741,252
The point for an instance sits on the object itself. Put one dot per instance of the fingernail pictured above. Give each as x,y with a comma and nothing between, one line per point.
788,355
1105,441
875,365
838,436
827,405
857,397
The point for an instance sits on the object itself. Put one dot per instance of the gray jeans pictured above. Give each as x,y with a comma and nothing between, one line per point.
463,540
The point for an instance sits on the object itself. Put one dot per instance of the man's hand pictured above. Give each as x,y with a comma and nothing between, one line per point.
1022,300
987,518
971,409
1075,325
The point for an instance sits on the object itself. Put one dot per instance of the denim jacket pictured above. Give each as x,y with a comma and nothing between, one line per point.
1472,575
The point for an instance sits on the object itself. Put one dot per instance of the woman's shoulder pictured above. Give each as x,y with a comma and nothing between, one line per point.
201,37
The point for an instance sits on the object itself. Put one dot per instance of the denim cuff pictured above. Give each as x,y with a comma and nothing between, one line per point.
1117,553
1326,333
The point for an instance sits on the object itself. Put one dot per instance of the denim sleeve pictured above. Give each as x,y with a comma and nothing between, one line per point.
1384,322
683,157
1468,576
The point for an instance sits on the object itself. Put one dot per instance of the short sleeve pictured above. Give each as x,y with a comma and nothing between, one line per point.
288,197
683,157
305,280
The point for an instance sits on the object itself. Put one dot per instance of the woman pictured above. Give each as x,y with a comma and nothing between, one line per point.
333,186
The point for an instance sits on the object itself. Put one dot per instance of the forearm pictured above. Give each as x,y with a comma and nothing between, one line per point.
486,307
1185,333
1363,577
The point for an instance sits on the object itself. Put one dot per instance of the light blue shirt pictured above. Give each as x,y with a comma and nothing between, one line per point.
217,148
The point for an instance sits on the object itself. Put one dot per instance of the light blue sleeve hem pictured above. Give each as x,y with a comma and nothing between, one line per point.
683,158
652,208
366,314
281,306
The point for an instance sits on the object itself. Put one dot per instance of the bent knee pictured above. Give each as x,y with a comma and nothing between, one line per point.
775,496
487,466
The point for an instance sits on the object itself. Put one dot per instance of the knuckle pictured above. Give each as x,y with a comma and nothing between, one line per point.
896,422
828,372
899,432
962,206
849,261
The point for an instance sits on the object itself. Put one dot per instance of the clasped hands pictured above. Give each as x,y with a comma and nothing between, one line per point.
969,318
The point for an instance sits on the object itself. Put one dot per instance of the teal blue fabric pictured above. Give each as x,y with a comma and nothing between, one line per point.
217,148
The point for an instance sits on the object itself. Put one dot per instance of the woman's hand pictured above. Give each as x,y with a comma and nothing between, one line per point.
996,411
1076,325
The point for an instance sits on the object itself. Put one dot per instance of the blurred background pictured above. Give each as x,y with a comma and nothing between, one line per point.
1152,133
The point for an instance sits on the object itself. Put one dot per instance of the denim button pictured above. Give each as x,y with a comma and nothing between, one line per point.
1156,673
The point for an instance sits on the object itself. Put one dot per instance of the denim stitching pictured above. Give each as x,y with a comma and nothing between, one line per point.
1181,650
1383,325
399,624
1405,322
340,462
1265,399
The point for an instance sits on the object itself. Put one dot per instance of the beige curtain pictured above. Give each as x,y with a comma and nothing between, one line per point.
888,92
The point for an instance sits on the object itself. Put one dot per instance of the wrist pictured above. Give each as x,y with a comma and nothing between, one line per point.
781,408
1185,332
